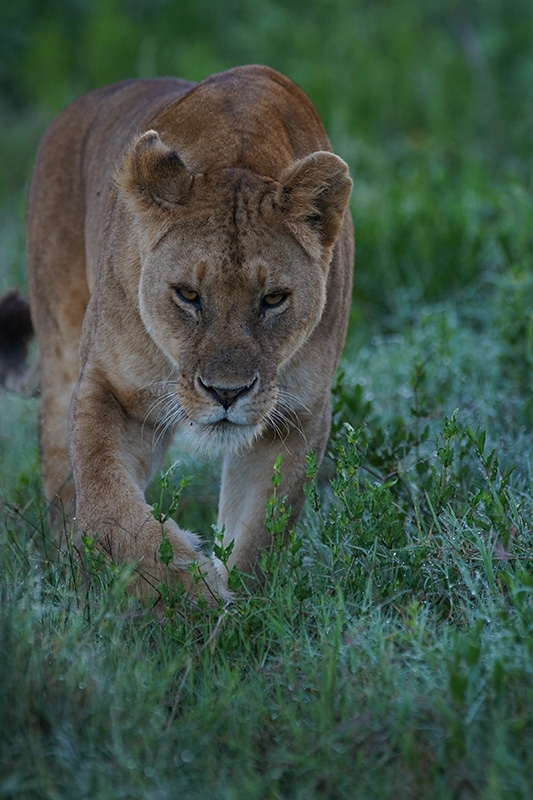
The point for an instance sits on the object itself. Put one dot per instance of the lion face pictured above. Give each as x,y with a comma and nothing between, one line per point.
233,282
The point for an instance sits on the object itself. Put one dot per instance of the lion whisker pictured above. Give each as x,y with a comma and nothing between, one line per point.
153,385
173,414
282,423
286,395
169,414
164,399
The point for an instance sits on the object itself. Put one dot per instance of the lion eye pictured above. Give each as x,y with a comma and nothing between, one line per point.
189,295
274,299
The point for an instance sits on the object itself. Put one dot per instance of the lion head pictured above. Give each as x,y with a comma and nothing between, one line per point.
233,276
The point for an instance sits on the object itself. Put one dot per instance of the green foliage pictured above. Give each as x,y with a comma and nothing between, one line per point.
166,553
391,650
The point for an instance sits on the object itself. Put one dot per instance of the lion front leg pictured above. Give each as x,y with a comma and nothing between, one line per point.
247,486
113,459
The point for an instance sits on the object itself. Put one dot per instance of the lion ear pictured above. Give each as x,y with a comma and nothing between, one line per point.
314,195
154,173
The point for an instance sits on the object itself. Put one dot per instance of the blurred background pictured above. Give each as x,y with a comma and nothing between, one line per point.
429,101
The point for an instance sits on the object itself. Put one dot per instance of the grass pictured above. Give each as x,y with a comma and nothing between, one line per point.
390,655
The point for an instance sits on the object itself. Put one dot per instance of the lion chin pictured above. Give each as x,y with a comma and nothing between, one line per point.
218,439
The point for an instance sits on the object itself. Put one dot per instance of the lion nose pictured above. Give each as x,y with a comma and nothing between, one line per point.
226,396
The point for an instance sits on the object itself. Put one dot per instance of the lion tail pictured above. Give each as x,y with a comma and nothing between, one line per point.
16,332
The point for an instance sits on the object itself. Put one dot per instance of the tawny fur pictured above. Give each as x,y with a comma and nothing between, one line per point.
190,259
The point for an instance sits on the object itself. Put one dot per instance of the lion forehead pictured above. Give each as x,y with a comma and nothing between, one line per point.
236,236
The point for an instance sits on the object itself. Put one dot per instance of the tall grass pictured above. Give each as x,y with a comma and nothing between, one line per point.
390,653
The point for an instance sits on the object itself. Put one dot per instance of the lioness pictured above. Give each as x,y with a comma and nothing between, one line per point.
190,261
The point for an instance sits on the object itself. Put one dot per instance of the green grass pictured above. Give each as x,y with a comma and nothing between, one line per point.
390,655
